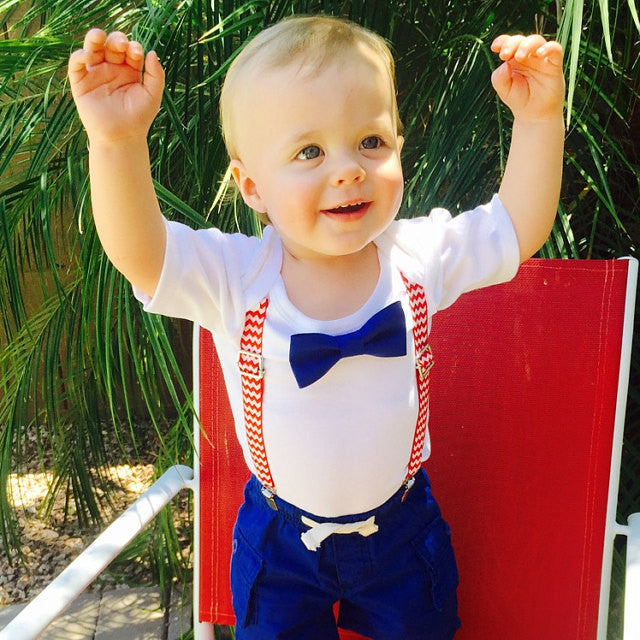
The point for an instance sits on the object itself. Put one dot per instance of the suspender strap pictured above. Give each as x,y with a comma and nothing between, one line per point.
424,362
251,368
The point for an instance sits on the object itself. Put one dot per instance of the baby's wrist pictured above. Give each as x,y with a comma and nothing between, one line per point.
551,120
117,142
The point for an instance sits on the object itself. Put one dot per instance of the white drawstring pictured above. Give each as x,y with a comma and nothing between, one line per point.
320,531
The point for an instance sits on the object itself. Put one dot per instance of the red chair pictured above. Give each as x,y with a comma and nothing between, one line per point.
527,417
528,397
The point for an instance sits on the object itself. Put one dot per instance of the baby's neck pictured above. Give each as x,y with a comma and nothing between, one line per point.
334,287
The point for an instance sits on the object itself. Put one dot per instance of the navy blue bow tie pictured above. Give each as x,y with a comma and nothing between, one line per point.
311,355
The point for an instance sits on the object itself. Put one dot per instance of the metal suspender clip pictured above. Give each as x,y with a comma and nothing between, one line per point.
408,483
424,361
248,368
269,495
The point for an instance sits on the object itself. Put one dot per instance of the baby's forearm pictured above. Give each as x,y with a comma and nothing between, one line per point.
126,210
530,188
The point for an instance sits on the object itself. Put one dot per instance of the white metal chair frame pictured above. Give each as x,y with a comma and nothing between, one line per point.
58,595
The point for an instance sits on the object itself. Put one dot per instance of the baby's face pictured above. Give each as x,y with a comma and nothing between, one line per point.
320,153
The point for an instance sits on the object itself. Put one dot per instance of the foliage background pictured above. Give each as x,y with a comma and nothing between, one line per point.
81,366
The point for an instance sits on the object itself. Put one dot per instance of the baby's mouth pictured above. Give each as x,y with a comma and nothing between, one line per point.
349,208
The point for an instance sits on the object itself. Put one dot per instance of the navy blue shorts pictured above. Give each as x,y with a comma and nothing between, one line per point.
396,584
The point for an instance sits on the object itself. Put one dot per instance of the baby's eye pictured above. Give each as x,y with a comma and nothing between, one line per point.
372,142
309,153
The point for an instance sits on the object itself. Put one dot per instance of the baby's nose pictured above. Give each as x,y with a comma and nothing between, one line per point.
348,171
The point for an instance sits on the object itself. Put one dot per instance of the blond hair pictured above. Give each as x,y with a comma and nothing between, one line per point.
310,41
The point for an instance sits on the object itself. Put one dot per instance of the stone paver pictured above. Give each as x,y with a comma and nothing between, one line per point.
78,622
132,614
179,616
123,614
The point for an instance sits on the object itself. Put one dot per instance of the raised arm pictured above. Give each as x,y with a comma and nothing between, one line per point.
531,84
117,105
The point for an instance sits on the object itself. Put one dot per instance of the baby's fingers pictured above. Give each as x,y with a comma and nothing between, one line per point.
77,66
120,50
517,47
505,45
115,47
134,55
93,46
552,52
528,47
523,48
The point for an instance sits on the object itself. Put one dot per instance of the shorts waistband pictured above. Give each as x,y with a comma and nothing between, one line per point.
290,512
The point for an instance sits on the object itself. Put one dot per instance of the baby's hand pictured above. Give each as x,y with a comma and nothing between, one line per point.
107,86
530,80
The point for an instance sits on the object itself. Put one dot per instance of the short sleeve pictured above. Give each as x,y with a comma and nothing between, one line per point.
210,277
452,255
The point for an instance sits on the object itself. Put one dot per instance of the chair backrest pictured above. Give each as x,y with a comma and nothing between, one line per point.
526,426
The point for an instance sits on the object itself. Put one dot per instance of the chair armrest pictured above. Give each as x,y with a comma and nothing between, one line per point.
632,580
67,586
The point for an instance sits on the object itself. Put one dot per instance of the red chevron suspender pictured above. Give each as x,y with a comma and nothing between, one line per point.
252,377
424,362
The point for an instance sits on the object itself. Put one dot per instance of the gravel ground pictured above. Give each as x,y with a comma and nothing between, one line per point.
50,543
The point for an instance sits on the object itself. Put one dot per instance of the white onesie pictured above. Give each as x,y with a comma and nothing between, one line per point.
341,445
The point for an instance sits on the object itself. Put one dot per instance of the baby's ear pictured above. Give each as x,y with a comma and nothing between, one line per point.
247,186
